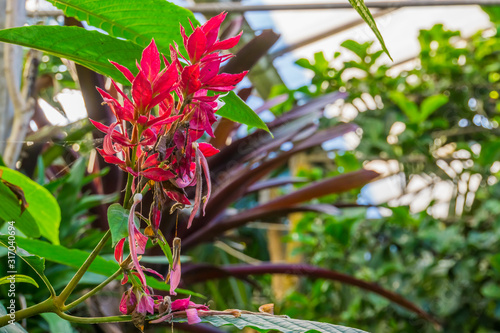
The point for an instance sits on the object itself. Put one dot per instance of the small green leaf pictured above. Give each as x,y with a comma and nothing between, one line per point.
236,110
265,323
431,104
91,49
18,278
118,222
491,290
43,206
409,108
365,14
36,262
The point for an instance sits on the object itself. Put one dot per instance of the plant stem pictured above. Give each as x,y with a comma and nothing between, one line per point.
45,306
93,291
128,191
93,320
79,274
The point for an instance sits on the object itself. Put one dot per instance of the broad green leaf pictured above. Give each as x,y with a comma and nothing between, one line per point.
10,210
357,48
91,49
409,108
118,222
56,323
18,278
365,14
42,205
34,261
431,104
136,21
236,110
75,258
265,323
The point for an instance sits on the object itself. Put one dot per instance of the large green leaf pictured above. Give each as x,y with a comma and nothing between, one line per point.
137,21
75,258
42,205
10,210
91,49
265,323
236,110
365,14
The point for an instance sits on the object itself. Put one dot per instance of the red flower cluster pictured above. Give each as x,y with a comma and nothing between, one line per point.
156,132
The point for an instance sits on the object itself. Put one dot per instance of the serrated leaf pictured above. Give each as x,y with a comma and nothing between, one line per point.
18,278
91,49
265,323
236,110
137,21
118,222
360,7
43,206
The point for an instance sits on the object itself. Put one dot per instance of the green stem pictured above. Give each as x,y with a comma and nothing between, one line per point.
128,191
93,291
45,306
94,320
79,274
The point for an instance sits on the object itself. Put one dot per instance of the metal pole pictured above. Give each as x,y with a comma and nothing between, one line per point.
234,7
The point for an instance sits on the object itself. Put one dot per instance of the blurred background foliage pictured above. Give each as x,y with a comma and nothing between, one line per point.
425,124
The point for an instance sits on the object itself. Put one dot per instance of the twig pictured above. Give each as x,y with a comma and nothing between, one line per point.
23,110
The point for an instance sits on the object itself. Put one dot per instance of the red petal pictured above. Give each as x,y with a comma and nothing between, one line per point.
151,161
196,45
190,82
166,79
119,250
207,149
101,127
150,61
226,44
179,197
157,174
226,79
192,316
125,71
141,91
211,28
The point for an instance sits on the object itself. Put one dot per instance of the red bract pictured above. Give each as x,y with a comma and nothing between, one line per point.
154,139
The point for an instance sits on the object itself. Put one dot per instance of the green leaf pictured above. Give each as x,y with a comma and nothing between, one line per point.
10,210
118,222
75,258
359,49
56,323
491,290
18,278
408,107
431,104
264,323
91,49
365,14
236,110
137,21
42,205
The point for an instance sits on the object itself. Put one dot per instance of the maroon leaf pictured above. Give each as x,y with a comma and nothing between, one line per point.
192,274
